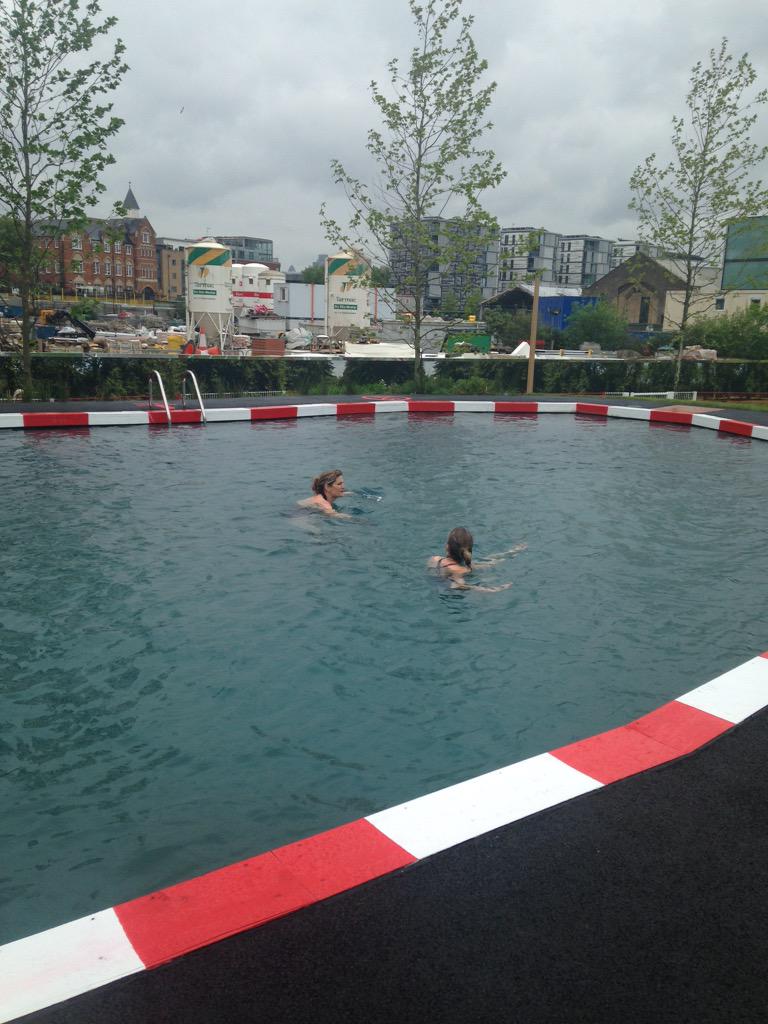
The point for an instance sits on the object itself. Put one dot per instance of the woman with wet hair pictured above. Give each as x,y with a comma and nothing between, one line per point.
456,564
328,488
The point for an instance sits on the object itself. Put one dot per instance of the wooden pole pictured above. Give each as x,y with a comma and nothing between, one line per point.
534,331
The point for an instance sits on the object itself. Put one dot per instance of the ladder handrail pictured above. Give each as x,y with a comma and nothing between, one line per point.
156,373
190,373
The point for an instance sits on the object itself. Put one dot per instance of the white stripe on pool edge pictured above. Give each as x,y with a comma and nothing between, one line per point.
450,816
226,415
391,407
702,420
12,420
474,406
735,695
125,418
629,413
552,406
316,410
63,962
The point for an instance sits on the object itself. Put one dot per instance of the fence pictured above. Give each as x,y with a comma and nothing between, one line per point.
688,396
241,394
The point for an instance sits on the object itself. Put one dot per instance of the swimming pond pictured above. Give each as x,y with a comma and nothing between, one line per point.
193,672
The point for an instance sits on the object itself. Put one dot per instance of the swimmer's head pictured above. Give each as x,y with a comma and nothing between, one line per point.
331,479
459,546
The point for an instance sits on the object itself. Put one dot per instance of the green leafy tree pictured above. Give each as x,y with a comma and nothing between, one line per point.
179,309
686,204
55,126
600,324
428,165
449,306
85,309
742,335
510,327
472,302
313,274
381,277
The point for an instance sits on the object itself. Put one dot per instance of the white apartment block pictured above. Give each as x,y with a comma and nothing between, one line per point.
625,248
583,259
525,251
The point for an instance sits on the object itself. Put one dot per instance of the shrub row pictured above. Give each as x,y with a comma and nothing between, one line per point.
96,376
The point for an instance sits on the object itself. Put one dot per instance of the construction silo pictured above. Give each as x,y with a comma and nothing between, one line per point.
346,298
209,292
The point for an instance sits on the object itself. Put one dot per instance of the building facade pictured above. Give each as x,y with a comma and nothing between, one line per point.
114,258
582,260
527,251
171,277
625,248
449,284
246,249
638,290
745,263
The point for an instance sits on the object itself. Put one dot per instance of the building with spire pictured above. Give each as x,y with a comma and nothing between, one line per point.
109,258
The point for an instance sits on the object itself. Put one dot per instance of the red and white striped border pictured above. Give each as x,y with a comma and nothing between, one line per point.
73,958
158,417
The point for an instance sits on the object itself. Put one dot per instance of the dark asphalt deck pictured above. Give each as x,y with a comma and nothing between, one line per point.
645,902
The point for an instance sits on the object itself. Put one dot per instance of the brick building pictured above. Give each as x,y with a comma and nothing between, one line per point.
114,258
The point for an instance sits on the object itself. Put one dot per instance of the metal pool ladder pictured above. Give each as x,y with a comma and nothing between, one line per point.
156,373
189,373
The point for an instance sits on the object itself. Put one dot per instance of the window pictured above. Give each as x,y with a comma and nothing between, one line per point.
129,270
129,250
106,246
77,266
720,303
57,267
145,236
118,246
119,269
754,302
107,267
96,267
77,243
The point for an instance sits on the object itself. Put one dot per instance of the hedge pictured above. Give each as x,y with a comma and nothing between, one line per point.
97,376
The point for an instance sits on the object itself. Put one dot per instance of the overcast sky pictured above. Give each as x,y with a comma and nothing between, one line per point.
234,111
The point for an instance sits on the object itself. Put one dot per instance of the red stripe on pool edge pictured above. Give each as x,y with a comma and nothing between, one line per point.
355,409
735,427
662,416
186,416
669,732
174,921
55,419
158,416
591,410
431,407
275,412
516,406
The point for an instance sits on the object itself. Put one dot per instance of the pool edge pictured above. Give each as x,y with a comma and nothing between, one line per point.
71,959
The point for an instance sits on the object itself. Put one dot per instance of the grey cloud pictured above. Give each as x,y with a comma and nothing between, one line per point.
585,91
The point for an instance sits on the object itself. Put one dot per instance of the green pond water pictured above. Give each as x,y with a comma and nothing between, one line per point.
192,672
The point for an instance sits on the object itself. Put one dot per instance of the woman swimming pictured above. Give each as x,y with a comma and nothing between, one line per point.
328,488
457,562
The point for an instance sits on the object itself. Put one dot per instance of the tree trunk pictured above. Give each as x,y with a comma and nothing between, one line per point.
418,363
27,326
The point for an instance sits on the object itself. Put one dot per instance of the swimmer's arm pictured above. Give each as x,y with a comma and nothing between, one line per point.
311,503
461,585
492,560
